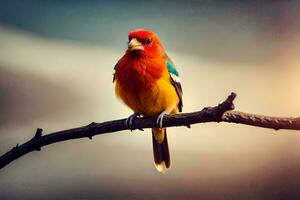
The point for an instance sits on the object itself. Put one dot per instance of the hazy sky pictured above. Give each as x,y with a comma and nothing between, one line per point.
218,29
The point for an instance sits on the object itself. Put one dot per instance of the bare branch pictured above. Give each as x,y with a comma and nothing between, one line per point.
221,113
262,121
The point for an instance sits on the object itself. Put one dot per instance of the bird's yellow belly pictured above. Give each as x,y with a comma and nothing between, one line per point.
161,97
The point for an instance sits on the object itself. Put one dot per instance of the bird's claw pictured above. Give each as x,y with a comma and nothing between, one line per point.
129,121
160,118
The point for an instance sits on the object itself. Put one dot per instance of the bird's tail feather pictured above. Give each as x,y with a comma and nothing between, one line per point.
160,149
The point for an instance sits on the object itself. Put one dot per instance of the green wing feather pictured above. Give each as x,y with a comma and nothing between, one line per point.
175,80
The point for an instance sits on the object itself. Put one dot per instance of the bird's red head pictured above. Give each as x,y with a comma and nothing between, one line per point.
144,43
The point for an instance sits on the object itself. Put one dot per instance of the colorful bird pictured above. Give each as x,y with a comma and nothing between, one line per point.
148,82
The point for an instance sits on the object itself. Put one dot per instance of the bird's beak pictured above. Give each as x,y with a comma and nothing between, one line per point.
134,44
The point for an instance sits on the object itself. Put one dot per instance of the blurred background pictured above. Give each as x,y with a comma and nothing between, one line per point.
56,66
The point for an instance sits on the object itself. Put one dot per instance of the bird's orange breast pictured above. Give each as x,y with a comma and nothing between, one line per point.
144,85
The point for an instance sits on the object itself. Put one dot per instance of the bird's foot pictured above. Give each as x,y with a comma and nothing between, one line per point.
129,121
160,118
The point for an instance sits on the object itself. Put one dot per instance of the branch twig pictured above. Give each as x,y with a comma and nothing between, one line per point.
275,123
221,113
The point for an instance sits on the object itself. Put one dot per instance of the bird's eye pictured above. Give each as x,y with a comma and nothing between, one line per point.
148,41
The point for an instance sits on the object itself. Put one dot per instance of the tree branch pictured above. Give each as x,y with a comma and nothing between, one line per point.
262,120
220,113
